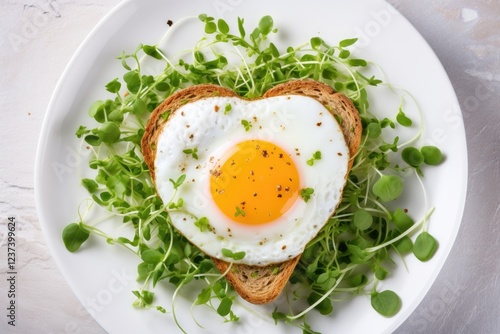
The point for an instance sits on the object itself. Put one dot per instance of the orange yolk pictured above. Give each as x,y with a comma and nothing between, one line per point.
256,184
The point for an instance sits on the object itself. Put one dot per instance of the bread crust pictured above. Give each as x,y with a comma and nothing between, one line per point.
257,284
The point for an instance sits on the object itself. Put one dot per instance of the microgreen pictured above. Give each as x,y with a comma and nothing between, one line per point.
203,224
109,133
239,212
152,51
347,42
386,302
246,124
74,235
402,220
405,245
114,86
177,183
225,306
432,155
374,130
388,187
193,152
425,246
412,156
390,146
233,255
306,194
316,156
346,258
176,205
90,185
228,108
362,220
402,119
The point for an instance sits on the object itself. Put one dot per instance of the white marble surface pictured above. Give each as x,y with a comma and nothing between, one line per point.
37,39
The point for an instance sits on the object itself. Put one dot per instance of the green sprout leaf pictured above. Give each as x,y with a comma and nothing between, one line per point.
152,51
424,247
204,296
227,108
306,194
374,130
82,130
344,54
203,224
316,156
404,245
178,205
239,212
109,133
74,235
347,42
402,119
246,124
390,146
266,24
387,302
223,26
432,155
225,306
192,151
362,220
241,27
133,81
230,254
90,185
210,27
412,156
402,220
324,307
388,187
277,316
316,42
179,181
113,86
357,62
151,256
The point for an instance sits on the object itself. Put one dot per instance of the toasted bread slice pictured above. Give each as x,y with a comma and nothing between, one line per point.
257,284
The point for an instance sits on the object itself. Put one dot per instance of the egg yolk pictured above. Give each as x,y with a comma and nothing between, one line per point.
256,184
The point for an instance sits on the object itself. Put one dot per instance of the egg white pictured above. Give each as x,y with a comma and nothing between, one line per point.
300,125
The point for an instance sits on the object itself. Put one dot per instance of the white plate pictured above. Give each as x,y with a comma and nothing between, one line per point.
103,276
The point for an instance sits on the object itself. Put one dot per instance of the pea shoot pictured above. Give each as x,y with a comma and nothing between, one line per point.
349,255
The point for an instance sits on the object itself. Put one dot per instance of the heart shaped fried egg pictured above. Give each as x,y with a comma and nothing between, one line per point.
262,176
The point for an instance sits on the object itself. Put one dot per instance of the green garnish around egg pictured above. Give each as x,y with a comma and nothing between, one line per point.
233,255
239,212
193,152
228,108
246,124
316,156
306,194
351,253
